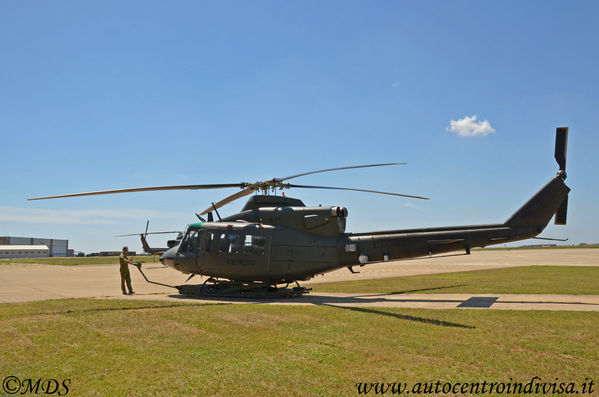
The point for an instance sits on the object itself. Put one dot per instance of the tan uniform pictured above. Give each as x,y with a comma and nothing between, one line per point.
125,276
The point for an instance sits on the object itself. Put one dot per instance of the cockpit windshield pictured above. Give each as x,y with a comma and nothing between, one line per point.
190,241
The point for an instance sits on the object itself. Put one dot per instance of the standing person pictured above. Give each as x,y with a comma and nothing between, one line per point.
124,261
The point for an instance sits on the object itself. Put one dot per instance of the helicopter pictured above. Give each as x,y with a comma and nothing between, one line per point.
278,240
154,250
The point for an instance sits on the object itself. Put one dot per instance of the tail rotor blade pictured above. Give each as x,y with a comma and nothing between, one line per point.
561,147
562,213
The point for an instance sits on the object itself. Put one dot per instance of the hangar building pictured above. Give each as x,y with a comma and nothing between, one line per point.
55,247
23,251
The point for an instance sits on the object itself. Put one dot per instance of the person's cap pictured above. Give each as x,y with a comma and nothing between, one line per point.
125,249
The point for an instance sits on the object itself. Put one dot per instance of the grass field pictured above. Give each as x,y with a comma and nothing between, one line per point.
148,348
575,280
72,261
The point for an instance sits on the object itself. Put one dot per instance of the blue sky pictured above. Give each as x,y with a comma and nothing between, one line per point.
100,95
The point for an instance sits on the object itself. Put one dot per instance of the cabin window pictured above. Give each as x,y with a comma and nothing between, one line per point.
234,243
230,243
223,245
208,244
254,244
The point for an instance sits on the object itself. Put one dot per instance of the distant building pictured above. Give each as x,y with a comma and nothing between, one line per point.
23,251
55,247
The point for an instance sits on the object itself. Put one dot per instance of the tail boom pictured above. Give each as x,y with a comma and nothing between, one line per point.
527,222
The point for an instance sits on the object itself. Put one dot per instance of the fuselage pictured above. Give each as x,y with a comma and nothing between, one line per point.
254,252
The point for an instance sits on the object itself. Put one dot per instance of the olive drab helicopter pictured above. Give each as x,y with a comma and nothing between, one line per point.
154,250
277,240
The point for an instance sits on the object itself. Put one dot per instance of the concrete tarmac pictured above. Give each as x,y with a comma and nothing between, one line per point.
418,301
25,283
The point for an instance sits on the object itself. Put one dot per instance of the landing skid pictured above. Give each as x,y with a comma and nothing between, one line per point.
213,288
231,289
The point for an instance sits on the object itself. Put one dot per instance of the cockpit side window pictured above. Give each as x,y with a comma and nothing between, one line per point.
190,242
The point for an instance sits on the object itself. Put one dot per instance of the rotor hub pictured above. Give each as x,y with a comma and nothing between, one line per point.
562,174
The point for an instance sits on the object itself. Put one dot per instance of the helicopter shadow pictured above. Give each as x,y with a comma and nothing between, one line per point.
412,291
347,303
400,316
343,302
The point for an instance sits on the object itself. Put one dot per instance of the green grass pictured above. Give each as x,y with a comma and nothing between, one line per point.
73,261
575,280
138,348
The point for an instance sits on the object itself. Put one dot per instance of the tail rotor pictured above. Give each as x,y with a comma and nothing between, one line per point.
561,147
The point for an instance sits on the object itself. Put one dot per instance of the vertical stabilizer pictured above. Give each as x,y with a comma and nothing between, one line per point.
552,198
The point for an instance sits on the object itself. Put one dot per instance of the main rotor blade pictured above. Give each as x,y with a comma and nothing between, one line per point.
357,190
137,234
148,189
339,168
229,199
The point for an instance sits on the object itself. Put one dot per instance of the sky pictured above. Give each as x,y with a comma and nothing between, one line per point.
101,95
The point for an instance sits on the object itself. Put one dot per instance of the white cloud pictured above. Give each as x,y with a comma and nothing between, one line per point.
89,216
468,126
410,205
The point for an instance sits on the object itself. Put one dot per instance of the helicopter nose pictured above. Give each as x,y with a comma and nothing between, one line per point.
168,258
